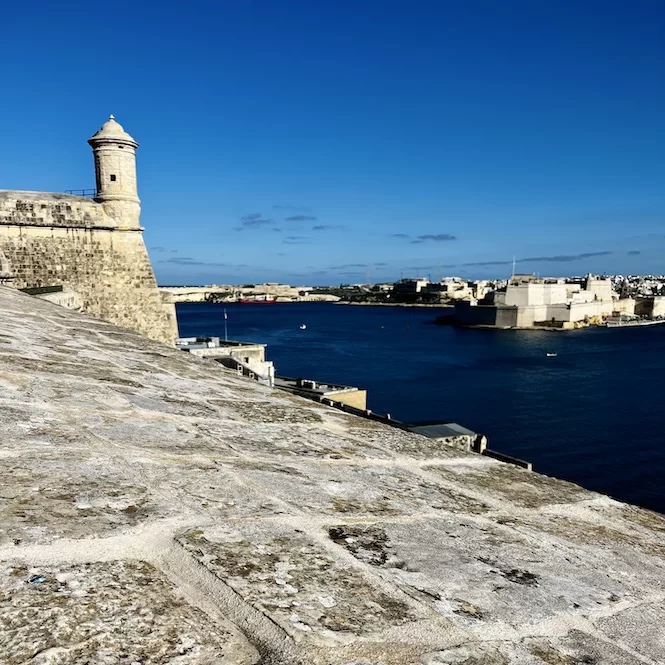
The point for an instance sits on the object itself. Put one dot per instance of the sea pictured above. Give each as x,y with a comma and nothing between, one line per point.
594,414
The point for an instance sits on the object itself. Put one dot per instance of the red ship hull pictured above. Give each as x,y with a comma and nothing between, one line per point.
253,301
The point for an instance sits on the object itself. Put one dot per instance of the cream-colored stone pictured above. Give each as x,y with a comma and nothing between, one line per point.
93,247
115,168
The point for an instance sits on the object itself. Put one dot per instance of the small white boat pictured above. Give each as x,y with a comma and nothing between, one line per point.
551,355
303,327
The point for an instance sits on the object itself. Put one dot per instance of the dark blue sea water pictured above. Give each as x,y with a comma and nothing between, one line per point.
593,415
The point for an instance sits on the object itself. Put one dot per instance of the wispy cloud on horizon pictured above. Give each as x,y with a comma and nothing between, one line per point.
300,218
297,240
253,220
558,258
189,261
348,265
481,263
425,237
328,227
437,237
370,265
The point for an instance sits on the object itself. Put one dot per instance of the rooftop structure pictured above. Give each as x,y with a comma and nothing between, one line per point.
157,509
247,358
319,391
449,433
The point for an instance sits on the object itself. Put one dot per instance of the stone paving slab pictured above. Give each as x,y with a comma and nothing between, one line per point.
107,613
43,497
478,573
574,648
514,484
304,440
313,596
634,626
356,490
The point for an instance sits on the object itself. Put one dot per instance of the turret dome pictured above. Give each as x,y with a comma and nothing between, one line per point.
114,152
113,131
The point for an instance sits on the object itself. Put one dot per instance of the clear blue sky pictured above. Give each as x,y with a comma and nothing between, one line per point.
320,141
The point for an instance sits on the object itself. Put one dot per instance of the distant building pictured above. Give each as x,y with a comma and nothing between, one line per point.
450,434
452,288
528,301
320,391
247,358
409,286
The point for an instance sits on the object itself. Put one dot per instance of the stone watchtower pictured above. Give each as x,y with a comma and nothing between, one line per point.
91,247
115,171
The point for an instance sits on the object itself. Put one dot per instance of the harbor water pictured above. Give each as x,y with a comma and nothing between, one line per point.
592,414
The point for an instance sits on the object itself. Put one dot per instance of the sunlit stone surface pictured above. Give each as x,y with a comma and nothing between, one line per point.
156,509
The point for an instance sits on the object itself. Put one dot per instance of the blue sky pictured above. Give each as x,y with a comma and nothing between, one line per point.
325,142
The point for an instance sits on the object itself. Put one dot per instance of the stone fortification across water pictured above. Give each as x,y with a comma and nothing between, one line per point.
156,509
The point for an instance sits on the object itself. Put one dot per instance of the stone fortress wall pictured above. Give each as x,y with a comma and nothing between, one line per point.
93,247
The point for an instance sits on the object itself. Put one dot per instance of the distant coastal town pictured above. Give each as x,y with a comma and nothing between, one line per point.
524,301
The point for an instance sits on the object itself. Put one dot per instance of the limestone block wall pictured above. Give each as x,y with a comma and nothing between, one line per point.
115,170
42,209
355,398
468,315
68,299
658,308
624,306
506,317
48,240
579,311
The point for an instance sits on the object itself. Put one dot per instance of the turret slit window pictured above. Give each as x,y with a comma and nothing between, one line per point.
112,177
